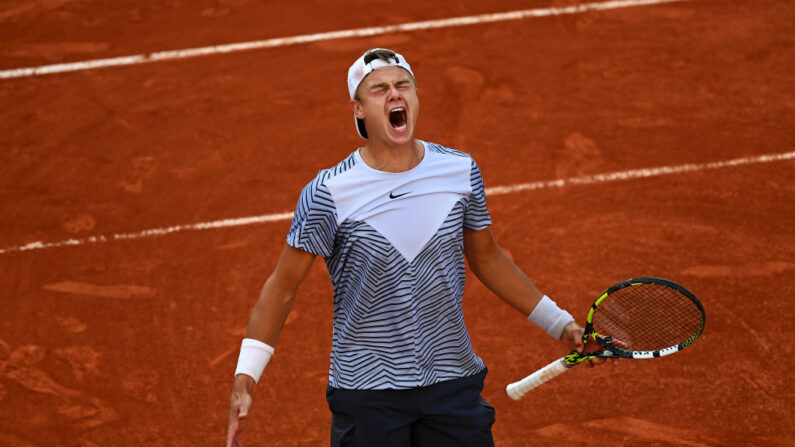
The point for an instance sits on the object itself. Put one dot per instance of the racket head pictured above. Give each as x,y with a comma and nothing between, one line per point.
645,317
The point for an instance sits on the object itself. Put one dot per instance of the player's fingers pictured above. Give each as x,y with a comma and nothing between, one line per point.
236,442
231,434
237,420
239,405
595,362
578,345
575,334
233,437
620,344
240,430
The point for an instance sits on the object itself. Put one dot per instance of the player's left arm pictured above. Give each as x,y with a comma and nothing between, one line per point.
501,275
498,272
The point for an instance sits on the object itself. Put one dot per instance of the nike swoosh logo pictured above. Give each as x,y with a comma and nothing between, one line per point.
392,195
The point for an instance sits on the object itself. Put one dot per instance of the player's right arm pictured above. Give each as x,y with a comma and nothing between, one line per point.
265,324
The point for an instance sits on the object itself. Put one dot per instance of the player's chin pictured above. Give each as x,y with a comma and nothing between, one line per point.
401,135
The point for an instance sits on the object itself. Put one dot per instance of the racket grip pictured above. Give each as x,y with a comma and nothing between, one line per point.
518,389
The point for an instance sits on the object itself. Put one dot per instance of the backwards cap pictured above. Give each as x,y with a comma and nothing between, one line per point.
370,61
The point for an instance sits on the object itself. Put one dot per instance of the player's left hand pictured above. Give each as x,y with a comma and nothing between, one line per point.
572,338
240,404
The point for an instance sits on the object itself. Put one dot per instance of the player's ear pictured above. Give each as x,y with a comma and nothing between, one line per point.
357,108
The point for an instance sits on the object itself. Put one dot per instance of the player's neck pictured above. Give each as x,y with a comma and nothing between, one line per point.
392,158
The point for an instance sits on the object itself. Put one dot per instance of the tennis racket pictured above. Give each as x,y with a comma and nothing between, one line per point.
640,318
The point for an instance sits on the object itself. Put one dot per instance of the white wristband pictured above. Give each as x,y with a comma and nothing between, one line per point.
549,317
254,356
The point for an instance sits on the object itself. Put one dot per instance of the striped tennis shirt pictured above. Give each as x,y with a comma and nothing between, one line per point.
394,249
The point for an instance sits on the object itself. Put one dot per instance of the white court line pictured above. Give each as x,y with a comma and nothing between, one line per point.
639,173
333,35
497,190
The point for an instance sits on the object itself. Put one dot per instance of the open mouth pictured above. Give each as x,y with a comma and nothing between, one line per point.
398,118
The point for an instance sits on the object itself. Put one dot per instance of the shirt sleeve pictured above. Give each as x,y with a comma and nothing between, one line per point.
477,216
315,220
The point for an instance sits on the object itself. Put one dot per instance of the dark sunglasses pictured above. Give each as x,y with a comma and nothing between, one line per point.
382,54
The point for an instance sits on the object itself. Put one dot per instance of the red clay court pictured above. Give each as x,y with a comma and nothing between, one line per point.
143,204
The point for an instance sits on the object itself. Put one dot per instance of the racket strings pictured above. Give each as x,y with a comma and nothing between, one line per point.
647,317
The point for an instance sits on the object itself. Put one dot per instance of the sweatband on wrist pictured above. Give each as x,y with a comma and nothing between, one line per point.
254,356
549,317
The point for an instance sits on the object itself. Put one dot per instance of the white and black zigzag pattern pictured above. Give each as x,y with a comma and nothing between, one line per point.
397,324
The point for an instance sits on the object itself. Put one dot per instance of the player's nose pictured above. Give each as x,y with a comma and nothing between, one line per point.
394,94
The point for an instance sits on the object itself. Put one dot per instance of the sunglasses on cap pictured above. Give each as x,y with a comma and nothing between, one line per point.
380,53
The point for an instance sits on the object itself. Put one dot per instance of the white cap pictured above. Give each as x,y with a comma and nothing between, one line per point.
370,61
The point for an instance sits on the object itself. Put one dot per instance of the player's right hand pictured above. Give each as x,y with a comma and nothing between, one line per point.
240,403
572,338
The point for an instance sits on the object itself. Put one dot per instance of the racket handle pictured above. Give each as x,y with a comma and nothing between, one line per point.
518,389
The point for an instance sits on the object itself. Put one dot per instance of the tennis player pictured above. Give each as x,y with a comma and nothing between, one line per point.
394,222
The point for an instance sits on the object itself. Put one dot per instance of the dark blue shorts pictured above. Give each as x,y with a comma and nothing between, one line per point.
449,413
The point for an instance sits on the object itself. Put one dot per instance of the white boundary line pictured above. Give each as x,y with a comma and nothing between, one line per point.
497,190
333,35
639,173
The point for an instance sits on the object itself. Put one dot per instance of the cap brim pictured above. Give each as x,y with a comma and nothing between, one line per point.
360,127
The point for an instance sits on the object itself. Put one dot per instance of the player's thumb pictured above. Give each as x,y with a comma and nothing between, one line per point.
243,407
242,411
576,338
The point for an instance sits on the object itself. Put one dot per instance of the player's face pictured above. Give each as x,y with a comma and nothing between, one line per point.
389,104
